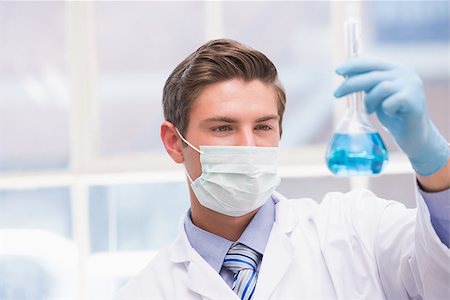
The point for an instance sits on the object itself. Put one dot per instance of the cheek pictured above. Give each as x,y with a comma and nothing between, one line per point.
271,141
192,162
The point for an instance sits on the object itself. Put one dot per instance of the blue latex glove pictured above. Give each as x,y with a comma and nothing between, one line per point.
397,96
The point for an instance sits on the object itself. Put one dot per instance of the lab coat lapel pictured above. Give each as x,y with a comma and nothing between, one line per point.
277,258
205,281
202,278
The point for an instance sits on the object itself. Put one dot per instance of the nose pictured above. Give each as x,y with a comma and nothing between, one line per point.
246,137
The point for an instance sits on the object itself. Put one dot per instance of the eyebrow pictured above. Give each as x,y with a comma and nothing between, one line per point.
268,118
232,120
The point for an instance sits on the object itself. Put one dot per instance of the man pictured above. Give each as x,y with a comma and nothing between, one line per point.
223,107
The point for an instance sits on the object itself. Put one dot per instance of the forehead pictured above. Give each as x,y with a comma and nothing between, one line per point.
236,97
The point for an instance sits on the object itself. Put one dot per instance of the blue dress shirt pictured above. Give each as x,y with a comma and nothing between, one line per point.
439,207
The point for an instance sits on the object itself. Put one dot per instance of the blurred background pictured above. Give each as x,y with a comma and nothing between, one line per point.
87,193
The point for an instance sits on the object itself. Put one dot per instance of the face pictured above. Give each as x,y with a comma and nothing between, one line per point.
232,113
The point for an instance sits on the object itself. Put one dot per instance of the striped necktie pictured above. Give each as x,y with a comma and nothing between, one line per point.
243,262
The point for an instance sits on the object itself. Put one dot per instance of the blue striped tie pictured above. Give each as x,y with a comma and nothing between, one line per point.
243,262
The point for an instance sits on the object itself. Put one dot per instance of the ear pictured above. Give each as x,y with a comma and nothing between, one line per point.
171,141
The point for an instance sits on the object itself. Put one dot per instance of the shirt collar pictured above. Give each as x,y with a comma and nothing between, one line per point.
213,248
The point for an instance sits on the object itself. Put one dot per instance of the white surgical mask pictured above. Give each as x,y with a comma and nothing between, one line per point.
235,180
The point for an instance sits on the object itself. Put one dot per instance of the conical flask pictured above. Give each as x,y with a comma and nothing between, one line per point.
356,148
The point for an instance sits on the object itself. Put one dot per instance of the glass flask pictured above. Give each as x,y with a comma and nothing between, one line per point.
356,148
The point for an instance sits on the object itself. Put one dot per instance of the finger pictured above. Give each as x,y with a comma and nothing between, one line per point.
380,92
395,105
363,82
360,65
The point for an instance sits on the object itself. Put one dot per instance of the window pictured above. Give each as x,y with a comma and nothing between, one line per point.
135,217
87,193
38,257
33,87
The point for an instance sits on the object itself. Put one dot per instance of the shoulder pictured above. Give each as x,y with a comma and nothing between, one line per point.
354,207
354,220
289,212
332,202
284,205
355,201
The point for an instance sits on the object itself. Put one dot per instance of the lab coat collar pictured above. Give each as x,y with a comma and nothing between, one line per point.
181,247
286,215
278,256
179,250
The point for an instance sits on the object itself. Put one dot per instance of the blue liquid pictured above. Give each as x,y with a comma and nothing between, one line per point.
356,154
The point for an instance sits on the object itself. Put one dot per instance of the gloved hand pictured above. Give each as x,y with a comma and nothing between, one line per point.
397,96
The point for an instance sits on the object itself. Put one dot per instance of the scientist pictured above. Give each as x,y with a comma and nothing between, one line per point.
223,108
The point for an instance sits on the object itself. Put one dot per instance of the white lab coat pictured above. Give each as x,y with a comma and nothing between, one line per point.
351,246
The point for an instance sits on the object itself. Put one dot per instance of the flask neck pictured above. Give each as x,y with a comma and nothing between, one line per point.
356,104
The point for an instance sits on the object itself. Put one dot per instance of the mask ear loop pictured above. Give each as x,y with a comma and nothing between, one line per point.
190,145
184,140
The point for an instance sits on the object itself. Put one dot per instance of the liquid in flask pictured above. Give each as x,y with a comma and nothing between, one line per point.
356,154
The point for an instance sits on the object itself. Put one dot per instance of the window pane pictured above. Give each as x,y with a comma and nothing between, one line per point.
136,217
139,43
46,209
33,86
409,21
296,37
36,284
38,258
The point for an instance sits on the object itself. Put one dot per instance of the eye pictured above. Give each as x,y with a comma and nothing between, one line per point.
222,128
263,127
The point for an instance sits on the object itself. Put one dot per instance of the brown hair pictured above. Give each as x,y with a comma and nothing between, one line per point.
215,61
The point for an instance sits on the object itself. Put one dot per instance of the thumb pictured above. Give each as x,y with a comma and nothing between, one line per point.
395,105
